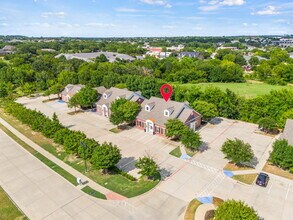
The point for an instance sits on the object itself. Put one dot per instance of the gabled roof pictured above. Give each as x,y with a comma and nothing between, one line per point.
288,132
72,89
179,110
114,93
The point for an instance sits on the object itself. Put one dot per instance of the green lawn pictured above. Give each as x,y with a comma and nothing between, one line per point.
7,209
247,90
176,152
114,182
93,192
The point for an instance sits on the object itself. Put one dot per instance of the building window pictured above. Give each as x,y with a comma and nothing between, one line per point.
166,113
105,96
147,108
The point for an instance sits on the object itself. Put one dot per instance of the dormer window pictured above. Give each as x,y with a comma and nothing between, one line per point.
147,108
166,113
107,94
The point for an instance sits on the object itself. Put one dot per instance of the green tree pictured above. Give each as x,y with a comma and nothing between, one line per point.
191,139
207,110
286,115
123,111
174,128
232,209
106,156
237,151
87,97
282,154
148,167
74,102
102,58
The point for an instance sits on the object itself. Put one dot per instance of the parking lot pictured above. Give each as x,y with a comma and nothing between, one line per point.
184,181
214,135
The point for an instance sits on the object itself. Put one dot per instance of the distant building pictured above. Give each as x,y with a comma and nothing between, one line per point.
176,48
284,43
191,55
288,132
7,50
89,57
48,50
69,91
228,48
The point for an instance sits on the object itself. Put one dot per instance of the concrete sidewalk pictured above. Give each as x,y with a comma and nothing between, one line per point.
92,184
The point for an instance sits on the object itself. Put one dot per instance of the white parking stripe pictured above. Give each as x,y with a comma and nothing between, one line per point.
269,191
288,190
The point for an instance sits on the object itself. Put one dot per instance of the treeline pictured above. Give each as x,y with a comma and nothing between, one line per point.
102,156
29,73
277,105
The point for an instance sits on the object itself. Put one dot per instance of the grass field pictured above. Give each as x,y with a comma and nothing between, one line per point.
7,209
246,178
247,90
93,192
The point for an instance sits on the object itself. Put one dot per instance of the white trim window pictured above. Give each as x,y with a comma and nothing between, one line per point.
105,96
166,113
147,108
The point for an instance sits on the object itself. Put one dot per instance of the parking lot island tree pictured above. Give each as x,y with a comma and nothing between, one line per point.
237,151
191,139
148,167
232,209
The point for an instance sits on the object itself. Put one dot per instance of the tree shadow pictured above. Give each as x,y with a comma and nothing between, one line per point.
251,163
69,126
165,173
126,164
216,121
204,147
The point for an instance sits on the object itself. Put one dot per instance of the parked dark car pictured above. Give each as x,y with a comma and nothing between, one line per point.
262,179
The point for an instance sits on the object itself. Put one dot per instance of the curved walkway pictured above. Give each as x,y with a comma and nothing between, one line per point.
202,209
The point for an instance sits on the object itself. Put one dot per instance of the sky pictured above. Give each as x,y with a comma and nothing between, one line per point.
145,18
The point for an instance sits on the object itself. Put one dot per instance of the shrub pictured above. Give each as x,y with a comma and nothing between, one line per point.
237,151
282,154
232,209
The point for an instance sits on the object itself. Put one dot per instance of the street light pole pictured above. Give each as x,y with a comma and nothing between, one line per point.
84,154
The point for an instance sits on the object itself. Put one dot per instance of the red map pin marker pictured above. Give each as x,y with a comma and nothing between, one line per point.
166,91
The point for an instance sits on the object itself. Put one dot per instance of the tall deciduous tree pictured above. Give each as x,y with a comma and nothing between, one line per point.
87,96
123,111
207,110
237,151
175,128
106,156
148,167
232,209
191,139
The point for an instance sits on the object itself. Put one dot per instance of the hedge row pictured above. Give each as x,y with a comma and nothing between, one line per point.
102,156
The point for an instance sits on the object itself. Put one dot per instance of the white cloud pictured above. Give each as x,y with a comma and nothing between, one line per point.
3,24
131,10
270,10
60,14
157,2
245,24
212,5
232,2
100,25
